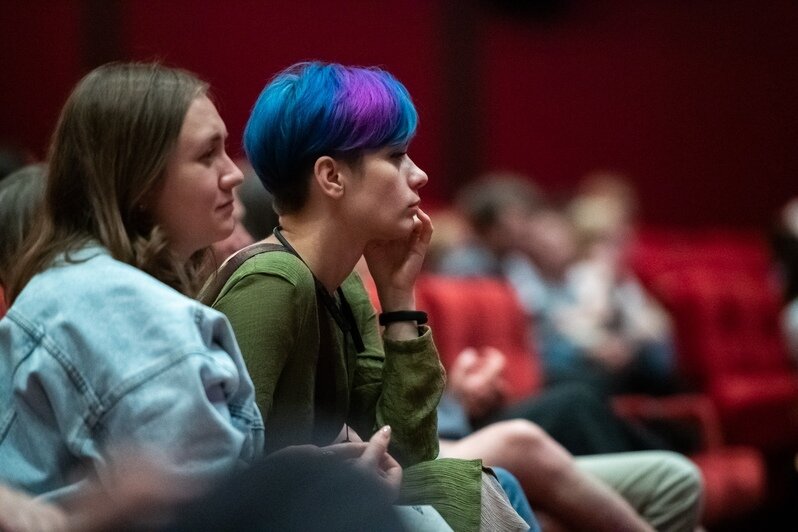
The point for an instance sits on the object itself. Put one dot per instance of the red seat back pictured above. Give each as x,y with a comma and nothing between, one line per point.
480,312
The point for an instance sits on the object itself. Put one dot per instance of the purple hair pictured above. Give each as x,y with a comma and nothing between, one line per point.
313,109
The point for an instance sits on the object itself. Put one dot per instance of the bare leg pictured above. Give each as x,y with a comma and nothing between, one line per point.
551,480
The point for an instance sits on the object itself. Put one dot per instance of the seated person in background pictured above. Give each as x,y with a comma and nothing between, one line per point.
253,212
12,159
624,333
575,414
593,321
563,489
496,207
260,219
784,244
329,142
21,194
238,239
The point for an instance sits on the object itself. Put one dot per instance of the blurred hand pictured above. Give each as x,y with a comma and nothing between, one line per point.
476,378
614,353
142,491
19,512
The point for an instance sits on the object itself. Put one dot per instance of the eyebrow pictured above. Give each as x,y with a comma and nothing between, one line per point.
218,136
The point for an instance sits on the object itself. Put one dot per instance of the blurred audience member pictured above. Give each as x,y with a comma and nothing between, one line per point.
452,232
565,490
496,206
238,239
259,214
21,194
784,243
11,159
624,334
508,214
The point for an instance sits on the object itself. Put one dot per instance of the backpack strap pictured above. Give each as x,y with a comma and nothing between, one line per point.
213,288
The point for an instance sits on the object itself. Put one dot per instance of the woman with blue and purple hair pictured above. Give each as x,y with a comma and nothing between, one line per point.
329,142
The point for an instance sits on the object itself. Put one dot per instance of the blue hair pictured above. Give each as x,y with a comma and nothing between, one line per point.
313,109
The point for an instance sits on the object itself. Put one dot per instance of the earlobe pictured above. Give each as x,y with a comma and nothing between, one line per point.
327,172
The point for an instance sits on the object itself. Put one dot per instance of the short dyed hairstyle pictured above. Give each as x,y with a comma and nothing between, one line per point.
314,109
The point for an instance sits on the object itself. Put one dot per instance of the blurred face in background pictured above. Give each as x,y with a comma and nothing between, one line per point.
550,242
509,230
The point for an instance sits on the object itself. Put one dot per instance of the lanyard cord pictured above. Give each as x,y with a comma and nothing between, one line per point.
343,316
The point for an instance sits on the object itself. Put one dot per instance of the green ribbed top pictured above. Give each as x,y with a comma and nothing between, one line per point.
271,303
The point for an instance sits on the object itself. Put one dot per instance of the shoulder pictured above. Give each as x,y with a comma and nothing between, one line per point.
109,327
275,265
93,278
99,304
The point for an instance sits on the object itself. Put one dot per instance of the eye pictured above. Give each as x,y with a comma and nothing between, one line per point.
398,154
207,156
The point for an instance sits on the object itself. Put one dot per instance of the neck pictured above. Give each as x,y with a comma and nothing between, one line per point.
330,251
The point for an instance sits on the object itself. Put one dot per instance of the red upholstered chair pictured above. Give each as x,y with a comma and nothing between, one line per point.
477,313
481,313
734,476
468,312
726,308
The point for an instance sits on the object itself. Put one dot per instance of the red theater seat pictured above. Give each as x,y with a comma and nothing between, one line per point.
726,310
484,312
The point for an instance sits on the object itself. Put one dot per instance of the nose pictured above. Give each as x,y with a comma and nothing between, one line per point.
232,176
418,177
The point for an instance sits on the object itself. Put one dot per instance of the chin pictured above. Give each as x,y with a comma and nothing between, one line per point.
402,230
392,231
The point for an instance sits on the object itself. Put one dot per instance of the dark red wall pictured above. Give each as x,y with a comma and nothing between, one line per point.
697,101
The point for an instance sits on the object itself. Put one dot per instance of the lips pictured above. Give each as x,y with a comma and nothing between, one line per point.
224,206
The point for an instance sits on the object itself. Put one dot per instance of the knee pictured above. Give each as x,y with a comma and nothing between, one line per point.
681,486
682,475
530,443
522,434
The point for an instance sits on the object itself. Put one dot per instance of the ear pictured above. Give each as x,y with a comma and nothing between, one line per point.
327,173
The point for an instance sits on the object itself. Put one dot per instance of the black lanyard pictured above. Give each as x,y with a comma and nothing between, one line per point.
343,316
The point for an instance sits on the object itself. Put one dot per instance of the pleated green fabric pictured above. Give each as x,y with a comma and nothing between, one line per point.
449,485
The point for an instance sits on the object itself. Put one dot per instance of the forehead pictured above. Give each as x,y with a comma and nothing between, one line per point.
202,122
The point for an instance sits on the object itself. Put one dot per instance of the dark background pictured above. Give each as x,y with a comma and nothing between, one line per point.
697,101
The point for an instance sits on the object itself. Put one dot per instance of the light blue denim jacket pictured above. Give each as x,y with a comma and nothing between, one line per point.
100,362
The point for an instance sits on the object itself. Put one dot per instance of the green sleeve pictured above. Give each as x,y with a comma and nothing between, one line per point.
396,383
274,319
452,486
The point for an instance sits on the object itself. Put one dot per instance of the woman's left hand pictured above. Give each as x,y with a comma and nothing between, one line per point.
395,265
